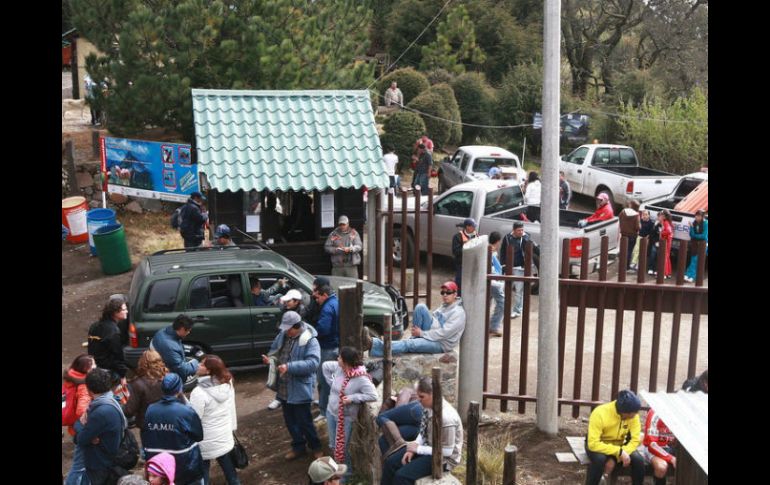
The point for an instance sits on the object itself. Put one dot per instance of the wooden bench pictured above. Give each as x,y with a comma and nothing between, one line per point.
577,445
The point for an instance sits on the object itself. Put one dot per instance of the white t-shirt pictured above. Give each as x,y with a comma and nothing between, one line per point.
391,160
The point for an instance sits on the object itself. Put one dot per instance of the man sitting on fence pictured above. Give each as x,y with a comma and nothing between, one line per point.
613,436
432,333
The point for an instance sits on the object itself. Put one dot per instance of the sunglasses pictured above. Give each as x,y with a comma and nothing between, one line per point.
447,292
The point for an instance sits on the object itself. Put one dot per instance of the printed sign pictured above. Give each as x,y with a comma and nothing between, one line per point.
153,170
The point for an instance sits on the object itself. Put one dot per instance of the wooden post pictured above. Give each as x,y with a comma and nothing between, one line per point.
438,466
473,443
351,318
387,361
509,465
95,145
69,156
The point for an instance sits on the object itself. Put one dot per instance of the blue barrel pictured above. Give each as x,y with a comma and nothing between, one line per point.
96,218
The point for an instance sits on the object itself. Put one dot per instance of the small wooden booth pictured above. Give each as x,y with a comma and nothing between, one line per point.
280,167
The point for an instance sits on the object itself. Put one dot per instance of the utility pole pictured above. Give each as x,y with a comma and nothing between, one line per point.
548,316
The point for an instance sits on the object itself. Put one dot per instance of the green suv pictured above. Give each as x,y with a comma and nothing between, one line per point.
211,286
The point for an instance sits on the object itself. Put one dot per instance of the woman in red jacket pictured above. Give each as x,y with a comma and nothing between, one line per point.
658,447
667,235
75,376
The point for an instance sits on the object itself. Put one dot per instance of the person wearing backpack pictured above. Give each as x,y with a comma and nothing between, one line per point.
192,220
75,401
100,429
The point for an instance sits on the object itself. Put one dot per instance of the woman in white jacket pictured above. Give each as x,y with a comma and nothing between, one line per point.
214,401
532,189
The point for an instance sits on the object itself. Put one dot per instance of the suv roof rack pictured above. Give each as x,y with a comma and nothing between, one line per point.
261,246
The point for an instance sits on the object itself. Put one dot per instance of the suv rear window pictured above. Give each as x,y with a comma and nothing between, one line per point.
161,296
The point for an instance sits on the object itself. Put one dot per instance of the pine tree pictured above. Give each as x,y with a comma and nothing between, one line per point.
455,45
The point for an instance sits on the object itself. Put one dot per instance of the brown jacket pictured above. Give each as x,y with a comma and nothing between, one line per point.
629,222
144,391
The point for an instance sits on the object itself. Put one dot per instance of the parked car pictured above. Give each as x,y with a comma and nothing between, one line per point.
211,285
473,162
495,205
614,170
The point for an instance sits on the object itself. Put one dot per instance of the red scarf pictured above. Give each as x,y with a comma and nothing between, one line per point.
339,443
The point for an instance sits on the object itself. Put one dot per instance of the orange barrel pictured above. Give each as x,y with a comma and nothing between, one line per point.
73,215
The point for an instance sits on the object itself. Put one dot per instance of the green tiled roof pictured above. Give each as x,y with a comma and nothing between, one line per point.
287,140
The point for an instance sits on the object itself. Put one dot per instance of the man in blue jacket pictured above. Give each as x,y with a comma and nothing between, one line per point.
328,328
168,343
193,218
98,432
299,355
174,427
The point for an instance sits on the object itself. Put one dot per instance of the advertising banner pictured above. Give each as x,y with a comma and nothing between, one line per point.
149,169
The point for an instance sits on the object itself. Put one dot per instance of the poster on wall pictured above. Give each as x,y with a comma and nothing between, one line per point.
149,169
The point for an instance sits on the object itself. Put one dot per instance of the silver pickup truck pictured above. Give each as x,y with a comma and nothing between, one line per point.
495,205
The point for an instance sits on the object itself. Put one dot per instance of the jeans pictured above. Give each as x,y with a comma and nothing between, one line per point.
692,268
406,417
423,181
299,422
77,474
653,259
518,287
331,425
323,386
394,473
422,318
498,295
459,279
598,460
346,271
631,244
228,468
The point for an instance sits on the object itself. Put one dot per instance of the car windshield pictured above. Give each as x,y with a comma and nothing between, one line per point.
482,165
302,276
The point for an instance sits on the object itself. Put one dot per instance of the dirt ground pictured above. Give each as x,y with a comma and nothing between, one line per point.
86,289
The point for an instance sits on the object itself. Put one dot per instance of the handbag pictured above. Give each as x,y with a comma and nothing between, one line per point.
238,455
128,451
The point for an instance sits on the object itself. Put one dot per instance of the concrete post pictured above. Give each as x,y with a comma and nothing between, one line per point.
371,247
548,315
470,385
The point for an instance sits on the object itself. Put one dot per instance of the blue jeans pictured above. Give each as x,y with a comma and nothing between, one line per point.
518,287
406,417
422,180
299,422
323,386
422,318
331,427
77,474
498,295
394,473
692,268
653,259
228,468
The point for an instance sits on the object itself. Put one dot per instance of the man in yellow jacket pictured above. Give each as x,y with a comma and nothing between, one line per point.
613,436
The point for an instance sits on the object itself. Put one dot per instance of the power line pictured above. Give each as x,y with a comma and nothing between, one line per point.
410,45
642,118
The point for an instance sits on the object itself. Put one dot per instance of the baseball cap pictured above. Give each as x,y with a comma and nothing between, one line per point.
223,230
450,285
291,295
198,195
343,220
467,222
603,196
325,468
494,171
289,319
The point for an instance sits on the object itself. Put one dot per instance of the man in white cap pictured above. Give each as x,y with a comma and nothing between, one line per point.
325,471
344,245
292,300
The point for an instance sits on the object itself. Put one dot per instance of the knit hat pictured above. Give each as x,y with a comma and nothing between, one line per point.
627,402
171,384
162,465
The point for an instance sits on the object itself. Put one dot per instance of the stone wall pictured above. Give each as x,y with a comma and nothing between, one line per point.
407,368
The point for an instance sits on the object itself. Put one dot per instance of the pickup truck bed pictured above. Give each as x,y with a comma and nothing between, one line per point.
634,171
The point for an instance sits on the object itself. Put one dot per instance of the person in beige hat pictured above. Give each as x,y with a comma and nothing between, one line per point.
324,471
345,246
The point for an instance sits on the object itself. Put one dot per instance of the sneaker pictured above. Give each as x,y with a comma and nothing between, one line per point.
515,315
688,279
315,403
495,333
319,419
274,405
650,272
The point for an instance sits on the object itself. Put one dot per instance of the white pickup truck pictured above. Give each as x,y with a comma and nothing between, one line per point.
680,220
495,205
473,162
614,170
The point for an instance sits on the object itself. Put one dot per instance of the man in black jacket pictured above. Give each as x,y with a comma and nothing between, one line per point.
464,235
516,238
193,218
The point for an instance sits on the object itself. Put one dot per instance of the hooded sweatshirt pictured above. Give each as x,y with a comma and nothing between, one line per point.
215,404
166,463
73,378
106,422
449,332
